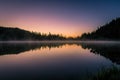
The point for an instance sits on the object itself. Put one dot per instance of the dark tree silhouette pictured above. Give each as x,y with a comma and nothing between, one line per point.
110,31
7,33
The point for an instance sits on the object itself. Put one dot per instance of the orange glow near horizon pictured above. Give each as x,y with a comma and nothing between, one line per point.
70,18
47,23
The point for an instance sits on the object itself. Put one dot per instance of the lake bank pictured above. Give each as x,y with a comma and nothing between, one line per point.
65,41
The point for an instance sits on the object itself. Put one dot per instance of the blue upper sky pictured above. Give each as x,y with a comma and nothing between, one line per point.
77,15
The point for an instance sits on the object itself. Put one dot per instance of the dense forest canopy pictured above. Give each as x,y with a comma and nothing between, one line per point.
109,31
7,33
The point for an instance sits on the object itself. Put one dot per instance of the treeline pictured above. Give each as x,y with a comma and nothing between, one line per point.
109,31
7,33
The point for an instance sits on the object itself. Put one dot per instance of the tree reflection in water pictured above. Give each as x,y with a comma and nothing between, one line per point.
108,50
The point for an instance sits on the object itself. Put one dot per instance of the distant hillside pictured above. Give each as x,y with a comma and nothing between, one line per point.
7,33
110,31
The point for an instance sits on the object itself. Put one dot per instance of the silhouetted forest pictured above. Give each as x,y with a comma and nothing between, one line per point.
7,33
109,31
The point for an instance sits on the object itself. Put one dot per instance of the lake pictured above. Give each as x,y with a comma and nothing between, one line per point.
56,60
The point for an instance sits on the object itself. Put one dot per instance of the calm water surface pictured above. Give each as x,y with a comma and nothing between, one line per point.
56,61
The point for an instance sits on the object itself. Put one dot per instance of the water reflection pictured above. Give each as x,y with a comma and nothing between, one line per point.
110,51
55,61
16,48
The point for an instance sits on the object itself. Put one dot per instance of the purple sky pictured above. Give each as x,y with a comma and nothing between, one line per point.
67,17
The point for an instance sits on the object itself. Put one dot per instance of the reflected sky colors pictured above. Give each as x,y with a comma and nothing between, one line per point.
51,61
56,56
67,17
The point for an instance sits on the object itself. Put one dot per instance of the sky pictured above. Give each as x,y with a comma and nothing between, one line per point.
66,17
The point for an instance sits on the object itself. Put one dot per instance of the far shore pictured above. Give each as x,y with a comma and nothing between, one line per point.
63,41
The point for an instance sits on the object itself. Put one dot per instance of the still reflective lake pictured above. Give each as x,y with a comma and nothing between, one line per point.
56,60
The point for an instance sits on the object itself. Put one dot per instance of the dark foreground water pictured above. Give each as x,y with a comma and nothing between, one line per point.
56,60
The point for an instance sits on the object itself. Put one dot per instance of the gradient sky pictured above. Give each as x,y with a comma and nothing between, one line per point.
67,17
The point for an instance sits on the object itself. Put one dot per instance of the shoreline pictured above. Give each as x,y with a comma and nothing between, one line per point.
64,41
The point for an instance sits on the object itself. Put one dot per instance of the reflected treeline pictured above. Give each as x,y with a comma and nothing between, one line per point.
110,50
16,48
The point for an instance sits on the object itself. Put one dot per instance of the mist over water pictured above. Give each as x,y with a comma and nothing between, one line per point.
56,60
